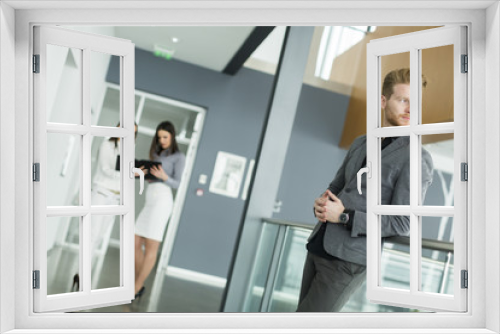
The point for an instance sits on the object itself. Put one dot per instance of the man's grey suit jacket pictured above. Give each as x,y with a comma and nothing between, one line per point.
350,245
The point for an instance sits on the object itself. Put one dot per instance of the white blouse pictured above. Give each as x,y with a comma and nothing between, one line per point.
106,175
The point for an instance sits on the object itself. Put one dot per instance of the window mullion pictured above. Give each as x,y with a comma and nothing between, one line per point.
86,174
434,128
395,131
421,211
414,161
422,129
391,210
75,129
127,221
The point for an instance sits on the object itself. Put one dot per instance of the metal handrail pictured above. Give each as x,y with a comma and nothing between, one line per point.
431,244
284,227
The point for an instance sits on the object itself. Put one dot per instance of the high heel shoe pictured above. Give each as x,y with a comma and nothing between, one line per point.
76,283
139,293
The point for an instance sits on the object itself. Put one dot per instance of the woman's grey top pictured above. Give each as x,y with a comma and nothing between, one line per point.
173,165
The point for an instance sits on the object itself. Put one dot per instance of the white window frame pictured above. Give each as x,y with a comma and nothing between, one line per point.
87,297
413,43
482,316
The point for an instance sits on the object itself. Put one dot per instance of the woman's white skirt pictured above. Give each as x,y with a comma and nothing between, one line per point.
157,209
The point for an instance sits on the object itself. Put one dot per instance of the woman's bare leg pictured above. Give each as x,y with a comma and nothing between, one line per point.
151,251
139,255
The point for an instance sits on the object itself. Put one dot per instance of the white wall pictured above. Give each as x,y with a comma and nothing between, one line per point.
232,322
492,166
7,171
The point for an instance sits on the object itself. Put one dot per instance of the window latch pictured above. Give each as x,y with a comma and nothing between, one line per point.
134,170
368,171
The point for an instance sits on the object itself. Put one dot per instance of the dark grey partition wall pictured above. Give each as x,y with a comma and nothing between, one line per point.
313,155
271,160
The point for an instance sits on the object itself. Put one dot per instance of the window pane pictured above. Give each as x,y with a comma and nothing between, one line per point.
438,150
63,169
395,95
395,182
137,104
347,39
155,112
286,288
335,41
395,264
437,255
258,276
64,85
437,97
63,255
106,232
363,28
106,174
105,101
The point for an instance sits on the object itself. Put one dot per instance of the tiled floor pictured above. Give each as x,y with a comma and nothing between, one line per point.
176,295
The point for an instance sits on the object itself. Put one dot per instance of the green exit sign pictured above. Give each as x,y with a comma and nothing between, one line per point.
163,52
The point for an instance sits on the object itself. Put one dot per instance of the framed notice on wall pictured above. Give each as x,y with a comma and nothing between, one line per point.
228,174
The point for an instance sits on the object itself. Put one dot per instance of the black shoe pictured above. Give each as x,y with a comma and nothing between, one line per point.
76,283
139,294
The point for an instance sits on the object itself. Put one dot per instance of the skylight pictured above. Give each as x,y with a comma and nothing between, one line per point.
335,41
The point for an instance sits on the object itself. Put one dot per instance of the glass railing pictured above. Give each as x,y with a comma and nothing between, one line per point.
274,284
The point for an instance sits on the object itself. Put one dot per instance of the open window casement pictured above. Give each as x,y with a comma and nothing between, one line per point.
68,67
430,270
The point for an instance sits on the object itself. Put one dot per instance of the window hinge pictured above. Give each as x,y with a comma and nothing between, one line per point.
465,64
36,172
36,279
464,171
36,63
465,279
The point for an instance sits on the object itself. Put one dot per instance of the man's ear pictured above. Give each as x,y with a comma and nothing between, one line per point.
383,101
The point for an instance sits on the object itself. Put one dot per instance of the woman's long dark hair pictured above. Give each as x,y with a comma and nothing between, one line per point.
156,147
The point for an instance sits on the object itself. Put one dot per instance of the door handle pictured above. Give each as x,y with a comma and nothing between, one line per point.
134,170
368,172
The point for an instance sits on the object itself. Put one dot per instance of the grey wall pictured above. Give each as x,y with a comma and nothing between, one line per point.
237,107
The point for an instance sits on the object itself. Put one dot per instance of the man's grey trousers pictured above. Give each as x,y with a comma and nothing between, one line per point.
327,284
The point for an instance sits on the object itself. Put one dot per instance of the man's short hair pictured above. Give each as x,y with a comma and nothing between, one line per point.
399,76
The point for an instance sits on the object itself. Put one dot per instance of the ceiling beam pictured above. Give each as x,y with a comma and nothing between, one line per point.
256,37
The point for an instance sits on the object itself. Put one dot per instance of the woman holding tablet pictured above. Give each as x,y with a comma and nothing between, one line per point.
152,220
